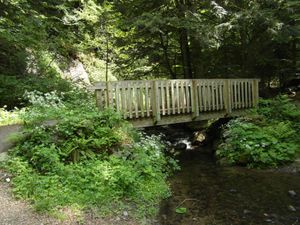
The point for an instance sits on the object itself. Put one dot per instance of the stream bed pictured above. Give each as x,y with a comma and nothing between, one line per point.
215,195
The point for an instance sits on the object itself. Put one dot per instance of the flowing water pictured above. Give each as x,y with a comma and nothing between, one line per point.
215,195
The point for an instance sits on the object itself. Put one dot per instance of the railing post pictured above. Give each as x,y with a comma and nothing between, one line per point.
98,99
155,102
227,96
195,100
255,93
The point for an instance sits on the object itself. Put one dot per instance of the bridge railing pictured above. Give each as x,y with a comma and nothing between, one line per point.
137,99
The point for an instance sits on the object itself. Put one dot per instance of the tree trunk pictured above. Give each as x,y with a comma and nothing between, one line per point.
185,54
166,56
184,41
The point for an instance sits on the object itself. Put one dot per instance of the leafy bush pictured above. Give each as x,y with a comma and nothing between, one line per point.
12,88
8,117
91,159
268,138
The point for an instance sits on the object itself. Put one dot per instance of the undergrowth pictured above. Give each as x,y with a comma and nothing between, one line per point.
86,158
268,137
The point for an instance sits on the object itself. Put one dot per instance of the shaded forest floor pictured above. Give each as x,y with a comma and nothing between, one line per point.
17,212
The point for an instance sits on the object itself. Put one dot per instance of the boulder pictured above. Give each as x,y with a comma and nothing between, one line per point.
77,73
199,138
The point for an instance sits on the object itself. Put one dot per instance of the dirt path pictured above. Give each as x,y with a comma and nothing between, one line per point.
17,212
13,212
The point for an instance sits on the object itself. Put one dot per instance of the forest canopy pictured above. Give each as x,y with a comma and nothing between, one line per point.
140,39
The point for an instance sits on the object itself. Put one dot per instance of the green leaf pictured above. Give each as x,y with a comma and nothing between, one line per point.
181,210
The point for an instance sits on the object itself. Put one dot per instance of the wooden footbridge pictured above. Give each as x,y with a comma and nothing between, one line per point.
159,102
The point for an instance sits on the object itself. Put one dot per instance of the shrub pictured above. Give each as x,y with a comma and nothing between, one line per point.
268,138
12,88
91,159
247,143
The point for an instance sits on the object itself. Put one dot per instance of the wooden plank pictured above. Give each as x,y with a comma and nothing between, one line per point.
252,96
147,99
182,97
129,98
227,96
213,92
246,94
187,95
117,98
173,98
195,101
235,95
221,95
124,101
162,91
243,94
142,97
199,88
110,95
177,97
217,96
183,118
205,96
168,97
255,93
209,96
155,102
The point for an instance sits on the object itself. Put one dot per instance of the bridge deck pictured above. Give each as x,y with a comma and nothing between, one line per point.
158,102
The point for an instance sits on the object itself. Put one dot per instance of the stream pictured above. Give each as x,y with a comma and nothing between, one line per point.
215,195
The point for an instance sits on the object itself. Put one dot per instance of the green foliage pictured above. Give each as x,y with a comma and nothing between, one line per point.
88,158
12,88
279,108
181,210
267,139
152,38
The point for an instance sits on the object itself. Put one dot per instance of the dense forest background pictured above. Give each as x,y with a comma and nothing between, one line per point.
140,39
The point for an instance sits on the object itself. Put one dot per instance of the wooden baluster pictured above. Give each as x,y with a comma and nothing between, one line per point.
217,95
124,101
177,97
98,94
227,95
155,102
252,93
142,97
168,97
246,94
209,95
162,98
243,94
235,94
221,95
200,91
173,98
117,93
213,91
195,101
205,96
187,94
255,92
147,99
240,94
182,97
129,98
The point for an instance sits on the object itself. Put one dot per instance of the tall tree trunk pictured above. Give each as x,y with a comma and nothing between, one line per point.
166,56
196,58
184,41
185,54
